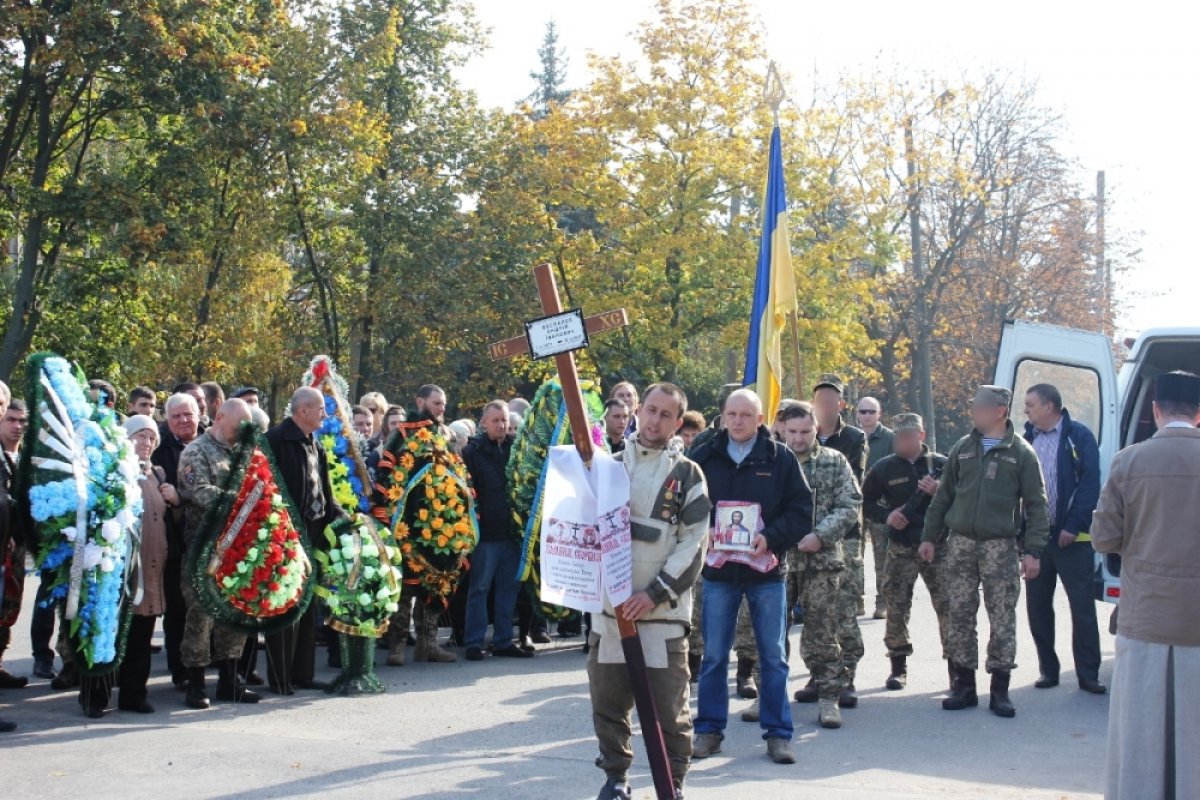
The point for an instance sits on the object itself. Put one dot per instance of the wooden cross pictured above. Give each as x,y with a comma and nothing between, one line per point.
568,374
581,433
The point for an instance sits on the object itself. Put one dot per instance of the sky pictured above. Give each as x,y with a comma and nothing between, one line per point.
1124,77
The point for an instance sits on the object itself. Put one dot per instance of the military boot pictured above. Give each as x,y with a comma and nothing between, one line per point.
196,696
397,645
829,715
230,687
899,677
1000,703
746,686
808,694
427,648
963,694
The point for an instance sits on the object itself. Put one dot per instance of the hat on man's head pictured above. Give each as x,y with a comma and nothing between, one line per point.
830,382
908,421
1177,387
245,390
989,395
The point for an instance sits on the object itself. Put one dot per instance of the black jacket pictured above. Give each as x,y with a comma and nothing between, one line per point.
892,484
486,460
291,448
770,476
852,443
166,457
8,510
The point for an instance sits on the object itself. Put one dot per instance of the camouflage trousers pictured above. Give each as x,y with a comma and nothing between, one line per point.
879,546
901,571
823,638
994,565
427,618
850,593
199,628
852,555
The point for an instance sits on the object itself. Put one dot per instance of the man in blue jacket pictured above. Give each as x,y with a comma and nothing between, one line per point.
1070,462
743,463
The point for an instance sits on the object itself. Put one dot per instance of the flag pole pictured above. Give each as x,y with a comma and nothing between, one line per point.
774,95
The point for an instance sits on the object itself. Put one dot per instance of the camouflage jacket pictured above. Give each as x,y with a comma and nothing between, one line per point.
837,503
203,469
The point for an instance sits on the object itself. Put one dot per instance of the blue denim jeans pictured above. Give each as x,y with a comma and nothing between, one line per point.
496,562
768,610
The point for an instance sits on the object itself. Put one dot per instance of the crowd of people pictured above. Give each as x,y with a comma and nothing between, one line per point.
1008,501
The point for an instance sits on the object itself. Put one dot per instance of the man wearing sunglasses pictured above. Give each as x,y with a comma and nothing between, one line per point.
879,446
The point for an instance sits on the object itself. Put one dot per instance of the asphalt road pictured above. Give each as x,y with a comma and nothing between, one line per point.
502,729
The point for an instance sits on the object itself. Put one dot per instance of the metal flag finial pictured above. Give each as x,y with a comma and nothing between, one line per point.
773,91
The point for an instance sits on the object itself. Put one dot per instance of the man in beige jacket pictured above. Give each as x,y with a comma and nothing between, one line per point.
669,513
1148,513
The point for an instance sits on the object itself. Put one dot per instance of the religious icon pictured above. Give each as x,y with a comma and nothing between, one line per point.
736,524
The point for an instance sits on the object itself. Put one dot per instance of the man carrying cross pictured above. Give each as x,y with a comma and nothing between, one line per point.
559,338
669,511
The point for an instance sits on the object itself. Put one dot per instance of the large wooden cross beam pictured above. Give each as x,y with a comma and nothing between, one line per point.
559,335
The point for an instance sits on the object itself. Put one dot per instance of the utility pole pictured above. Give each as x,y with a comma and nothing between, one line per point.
920,362
1103,277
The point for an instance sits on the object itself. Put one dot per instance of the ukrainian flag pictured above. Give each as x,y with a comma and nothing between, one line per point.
774,290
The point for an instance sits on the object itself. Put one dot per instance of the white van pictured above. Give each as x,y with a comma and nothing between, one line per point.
1115,406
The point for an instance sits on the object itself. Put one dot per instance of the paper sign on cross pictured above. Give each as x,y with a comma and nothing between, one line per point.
568,377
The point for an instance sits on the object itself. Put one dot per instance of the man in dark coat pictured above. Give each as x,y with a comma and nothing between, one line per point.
180,429
7,517
744,464
291,653
498,556
1070,460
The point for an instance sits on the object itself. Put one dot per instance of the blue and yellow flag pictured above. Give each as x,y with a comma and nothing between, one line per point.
774,290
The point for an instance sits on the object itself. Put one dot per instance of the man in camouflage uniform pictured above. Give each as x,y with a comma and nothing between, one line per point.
829,401
203,469
831,643
896,494
990,475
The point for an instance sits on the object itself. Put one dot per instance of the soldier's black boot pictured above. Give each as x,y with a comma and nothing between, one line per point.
746,687
615,789
196,697
899,677
229,688
963,694
1000,704
808,694
950,670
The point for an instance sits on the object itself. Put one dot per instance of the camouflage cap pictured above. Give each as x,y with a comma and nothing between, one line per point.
830,382
989,395
908,421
